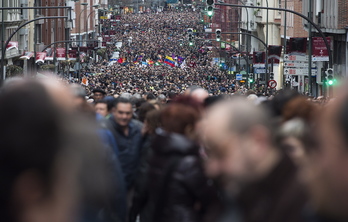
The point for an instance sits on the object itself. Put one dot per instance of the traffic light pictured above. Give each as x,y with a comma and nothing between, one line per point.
271,76
330,76
190,36
210,8
218,35
210,11
251,77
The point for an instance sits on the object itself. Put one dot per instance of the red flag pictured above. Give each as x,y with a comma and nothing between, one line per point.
120,60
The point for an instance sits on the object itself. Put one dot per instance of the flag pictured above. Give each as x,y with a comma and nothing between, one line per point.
120,60
150,62
158,64
192,64
84,81
180,59
170,61
183,65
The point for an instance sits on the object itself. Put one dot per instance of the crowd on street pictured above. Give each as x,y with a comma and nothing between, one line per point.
168,143
147,42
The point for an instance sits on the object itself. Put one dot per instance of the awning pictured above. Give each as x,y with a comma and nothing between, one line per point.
27,55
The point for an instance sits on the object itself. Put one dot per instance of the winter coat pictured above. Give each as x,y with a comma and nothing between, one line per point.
178,190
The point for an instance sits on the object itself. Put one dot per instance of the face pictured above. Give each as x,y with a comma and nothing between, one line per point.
328,168
123,113
229,156
98,96
102,109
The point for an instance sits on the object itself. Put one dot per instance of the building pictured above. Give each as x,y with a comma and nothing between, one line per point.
10,20
85,19
294,24
332,17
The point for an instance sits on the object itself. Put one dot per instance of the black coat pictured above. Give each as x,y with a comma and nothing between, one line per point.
277,197
178,190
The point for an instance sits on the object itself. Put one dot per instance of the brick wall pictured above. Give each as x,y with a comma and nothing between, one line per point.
342,14
299,30
294,23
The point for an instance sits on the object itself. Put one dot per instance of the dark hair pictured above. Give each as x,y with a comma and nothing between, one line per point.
101,101
277,104
121,100
153,120
143,110
172,95
150,96
182,112
29,140
342,120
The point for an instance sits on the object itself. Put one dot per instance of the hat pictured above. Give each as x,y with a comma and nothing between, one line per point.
99,90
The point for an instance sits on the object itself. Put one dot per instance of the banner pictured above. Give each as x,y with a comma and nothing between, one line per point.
60,53
72,54
49,54
12,45
320,52
274,53
27,55
40,57
298,46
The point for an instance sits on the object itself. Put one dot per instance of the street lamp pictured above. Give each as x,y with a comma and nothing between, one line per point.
96,7
80,38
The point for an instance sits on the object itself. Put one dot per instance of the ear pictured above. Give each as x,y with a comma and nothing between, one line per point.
28,189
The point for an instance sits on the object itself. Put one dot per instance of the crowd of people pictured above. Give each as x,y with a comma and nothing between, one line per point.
179,153
191,157
147,40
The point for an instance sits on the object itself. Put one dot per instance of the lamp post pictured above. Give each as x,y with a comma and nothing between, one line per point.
96,7
3,44
266,62
80,39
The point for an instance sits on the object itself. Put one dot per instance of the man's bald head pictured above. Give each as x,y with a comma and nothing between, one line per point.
197,93
239,116
238,139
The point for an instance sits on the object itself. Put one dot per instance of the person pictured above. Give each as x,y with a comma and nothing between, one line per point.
56,184
127,133
101,107
327,170
255,174
177,189
98,94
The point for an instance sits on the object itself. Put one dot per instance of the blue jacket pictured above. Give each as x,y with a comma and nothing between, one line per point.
129,148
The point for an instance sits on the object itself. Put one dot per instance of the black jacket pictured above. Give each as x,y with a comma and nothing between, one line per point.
177,187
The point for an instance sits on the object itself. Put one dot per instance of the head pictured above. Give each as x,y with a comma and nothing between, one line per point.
238,139
181,116
98,94
123,111
101,107
197,93
43,187
143,110
329,165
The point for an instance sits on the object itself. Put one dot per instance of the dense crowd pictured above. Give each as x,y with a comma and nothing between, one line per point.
147,39
182,155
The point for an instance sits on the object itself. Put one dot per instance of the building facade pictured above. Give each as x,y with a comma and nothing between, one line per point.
332,17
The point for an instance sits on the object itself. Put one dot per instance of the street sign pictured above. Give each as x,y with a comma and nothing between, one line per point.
239,77
320,58
272,84
293,71
319,47
259,71
302,58
259,65
295,64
